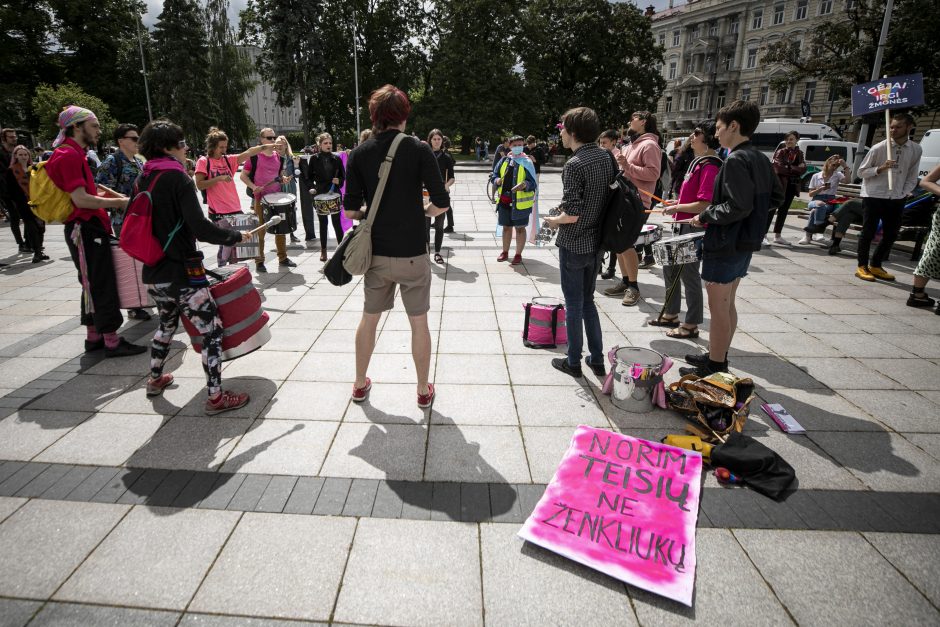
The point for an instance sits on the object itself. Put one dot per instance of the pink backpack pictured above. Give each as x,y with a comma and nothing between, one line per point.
137,238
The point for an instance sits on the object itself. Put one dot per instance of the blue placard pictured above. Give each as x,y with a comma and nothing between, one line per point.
892,92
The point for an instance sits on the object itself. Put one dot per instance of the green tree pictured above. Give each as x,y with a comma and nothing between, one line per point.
229,76
25,59
180,74
49,101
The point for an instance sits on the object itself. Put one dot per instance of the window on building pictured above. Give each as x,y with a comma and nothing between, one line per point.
809,94
785,96
825,7
733,27
746,93
672,70
778,14
764,94
726,61
691,102
720,101
662,39
751,59
676,36
758,19
849,4
801,9
668,104
713,29
709,64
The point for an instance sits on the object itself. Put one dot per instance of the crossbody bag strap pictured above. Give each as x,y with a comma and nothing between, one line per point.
525,324
383,178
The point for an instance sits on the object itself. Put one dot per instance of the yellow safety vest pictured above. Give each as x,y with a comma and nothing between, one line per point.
524,199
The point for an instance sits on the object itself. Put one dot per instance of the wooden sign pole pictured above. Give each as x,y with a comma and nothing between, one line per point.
888,146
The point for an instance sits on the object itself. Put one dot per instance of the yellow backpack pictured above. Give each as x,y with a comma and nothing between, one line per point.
48,202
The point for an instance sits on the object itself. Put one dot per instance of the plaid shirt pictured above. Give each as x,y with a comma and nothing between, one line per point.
585,179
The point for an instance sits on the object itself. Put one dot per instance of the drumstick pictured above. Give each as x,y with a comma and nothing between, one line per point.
678,221
274,220
653,196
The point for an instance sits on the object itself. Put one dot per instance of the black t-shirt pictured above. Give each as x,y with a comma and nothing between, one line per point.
174,197
399,229
446,163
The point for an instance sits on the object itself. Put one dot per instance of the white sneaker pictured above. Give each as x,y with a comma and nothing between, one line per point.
819,237
805,241
781,242
766,241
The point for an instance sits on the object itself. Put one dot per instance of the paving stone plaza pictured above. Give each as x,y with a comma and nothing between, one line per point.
304,508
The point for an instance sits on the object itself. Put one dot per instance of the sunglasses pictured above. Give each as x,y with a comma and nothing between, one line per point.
697,131
270,138
133,138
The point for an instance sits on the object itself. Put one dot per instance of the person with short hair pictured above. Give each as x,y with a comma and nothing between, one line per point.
514,179
177,283
789,165
446,165
7,204
883,205
399,248
327,174
88,232
17,186
215,176
735,221
262,175
585,179
641,162
823,188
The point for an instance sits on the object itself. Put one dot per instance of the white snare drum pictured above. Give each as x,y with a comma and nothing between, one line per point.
245,222
327,204
649,234
284,205
679,250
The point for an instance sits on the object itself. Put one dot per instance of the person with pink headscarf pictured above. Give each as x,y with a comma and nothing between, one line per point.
88,231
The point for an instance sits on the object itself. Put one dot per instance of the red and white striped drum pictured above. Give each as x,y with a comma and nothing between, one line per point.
244,321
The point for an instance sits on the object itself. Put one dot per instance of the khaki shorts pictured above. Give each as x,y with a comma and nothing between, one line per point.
411,274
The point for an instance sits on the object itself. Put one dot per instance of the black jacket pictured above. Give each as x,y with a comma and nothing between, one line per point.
746,188
321,169
174,198
399,229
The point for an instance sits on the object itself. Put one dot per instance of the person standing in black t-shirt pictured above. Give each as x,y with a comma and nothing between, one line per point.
327,174
446,164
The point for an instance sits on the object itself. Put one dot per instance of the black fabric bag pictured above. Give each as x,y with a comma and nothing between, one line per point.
760,467
624,214
334,271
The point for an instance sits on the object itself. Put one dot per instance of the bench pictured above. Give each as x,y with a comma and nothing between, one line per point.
915,234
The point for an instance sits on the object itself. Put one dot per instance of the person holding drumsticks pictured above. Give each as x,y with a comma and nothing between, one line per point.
695,194
446,164
290,166
177,283
327,175
262,175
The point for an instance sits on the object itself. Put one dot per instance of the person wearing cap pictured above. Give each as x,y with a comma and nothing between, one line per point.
88,232
514,178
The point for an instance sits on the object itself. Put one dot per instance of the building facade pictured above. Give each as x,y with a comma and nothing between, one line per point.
713,56
261,101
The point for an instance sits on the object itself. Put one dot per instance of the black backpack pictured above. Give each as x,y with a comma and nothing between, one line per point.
251,176
623,214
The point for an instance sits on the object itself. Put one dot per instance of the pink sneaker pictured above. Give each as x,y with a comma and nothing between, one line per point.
155,387
361,394
426,400
226,401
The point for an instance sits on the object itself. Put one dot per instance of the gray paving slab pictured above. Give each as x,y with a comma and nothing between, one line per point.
222,491
140,488
16,613
212,620
44,541
478,454
428,572
249,493
529,496
198,488
8,468
361,497
276,494
21,478
64,486
882,461
162,573
417,500
117,486
388,501
44,480
526,585
26,433
76,615
304,496
445,501
279,566
295,447
913,555
190,443
93,483
371,451
9,504
794,562
332,497
171,486
474,502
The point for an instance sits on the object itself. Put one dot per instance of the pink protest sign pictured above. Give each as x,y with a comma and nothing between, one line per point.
625,507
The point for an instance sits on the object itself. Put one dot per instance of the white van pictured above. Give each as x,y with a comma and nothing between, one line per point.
770,133
930,145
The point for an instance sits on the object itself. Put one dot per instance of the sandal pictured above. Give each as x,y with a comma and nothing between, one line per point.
683,333
661,321
438,258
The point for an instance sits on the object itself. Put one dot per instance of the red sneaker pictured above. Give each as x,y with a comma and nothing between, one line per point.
155,387
426,400
226,401
361,394
516,260
503,256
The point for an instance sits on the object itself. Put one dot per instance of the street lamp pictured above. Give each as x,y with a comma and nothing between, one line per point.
356,72
143,68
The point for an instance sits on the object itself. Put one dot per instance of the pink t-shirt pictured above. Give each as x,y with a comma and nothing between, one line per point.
269,172
698,184
222,197
644,158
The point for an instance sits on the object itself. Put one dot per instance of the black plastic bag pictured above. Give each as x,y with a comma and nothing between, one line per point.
759,467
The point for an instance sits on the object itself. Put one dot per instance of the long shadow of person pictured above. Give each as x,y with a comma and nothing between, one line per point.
490,493
456,273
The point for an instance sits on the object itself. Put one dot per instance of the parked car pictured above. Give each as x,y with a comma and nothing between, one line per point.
930,144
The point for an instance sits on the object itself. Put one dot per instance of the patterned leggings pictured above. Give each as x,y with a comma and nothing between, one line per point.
199,308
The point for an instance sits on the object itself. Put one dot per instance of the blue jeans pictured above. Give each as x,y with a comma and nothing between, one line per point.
578,276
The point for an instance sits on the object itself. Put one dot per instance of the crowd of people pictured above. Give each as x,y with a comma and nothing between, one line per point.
731,202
